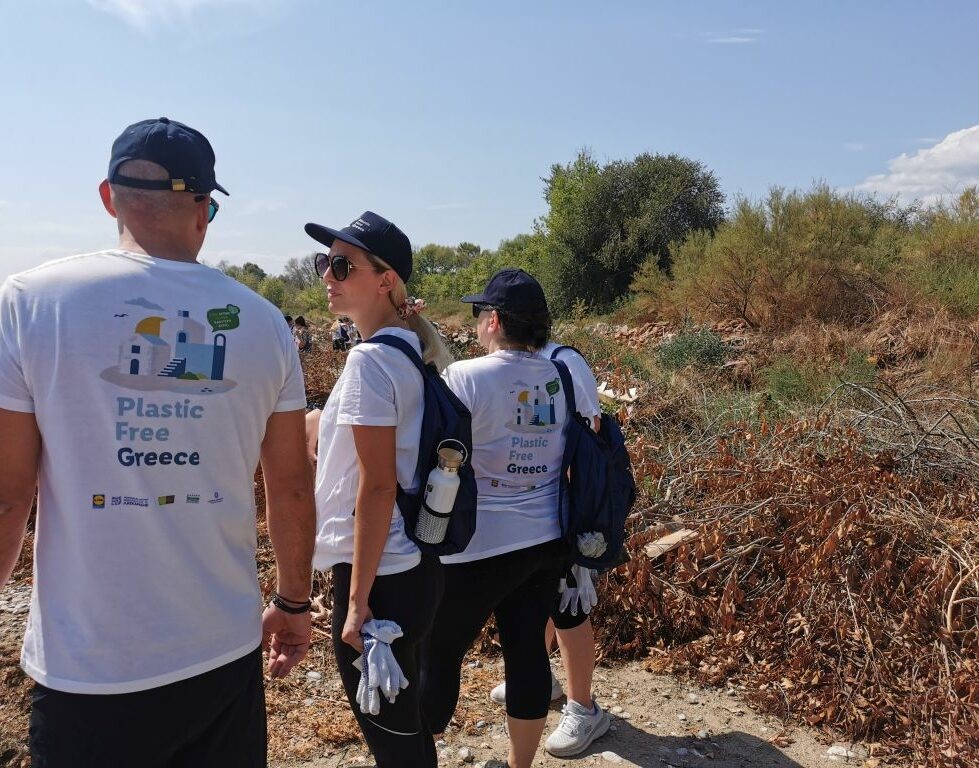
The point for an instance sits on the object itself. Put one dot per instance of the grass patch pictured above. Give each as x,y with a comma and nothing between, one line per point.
701,348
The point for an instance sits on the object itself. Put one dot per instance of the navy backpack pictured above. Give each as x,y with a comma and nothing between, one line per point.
444,417
597,485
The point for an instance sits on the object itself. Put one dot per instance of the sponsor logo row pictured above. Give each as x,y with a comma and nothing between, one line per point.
101,500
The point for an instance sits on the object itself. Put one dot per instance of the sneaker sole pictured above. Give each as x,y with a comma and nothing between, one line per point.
599,731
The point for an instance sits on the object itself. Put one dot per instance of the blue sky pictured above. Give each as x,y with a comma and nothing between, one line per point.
444,116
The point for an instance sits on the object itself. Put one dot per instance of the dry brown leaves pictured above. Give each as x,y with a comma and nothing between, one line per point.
832,584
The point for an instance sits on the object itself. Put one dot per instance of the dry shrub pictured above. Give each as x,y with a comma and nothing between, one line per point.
794,256
832,580
818,342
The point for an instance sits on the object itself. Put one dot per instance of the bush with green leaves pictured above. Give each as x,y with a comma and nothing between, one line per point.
821,254
942,258
698,347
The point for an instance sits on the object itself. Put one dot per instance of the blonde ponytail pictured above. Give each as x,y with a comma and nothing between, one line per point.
434,351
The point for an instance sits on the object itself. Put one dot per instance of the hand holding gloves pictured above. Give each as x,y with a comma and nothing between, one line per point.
380,673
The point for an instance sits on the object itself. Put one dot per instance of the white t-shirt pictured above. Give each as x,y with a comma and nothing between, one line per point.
379,387
518,416
585,386
151,382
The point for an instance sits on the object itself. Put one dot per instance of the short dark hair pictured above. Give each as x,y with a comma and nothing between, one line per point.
300,321
289,318
531,330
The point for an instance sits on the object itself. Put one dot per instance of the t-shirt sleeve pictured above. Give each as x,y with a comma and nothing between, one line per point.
461,385
292,396
367,396
15,395
585,386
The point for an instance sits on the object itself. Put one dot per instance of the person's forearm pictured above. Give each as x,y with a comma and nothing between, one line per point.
291,520
13,524
372,521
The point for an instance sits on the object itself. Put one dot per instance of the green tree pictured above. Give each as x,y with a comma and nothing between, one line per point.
275,290
300,274
604,221
252,269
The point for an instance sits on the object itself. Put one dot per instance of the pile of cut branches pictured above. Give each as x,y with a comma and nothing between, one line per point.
835,574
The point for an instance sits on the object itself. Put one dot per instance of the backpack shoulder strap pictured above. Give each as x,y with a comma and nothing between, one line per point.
567,385
558,350
389,340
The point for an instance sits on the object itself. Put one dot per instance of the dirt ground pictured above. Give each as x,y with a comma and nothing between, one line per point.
658,720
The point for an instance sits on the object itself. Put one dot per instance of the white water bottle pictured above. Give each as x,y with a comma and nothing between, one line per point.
440,494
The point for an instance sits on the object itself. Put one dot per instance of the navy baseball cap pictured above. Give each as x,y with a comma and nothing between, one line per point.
511,290
374,234
186,154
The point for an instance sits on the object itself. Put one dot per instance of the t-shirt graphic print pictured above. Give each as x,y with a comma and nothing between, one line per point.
519,412
152,383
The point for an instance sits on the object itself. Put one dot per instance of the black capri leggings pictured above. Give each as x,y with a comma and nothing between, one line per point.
397,736
518,588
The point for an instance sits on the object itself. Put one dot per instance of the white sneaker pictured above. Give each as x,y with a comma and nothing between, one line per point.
498,694
577,730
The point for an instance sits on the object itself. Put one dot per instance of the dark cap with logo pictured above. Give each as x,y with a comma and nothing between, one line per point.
185,153
374,234
511,290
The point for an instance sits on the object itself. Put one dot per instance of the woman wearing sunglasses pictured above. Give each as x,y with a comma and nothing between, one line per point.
368,437
513,564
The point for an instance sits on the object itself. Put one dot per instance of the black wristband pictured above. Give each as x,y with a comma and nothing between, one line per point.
284,605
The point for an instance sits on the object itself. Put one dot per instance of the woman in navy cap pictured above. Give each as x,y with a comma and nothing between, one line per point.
513,565
367,443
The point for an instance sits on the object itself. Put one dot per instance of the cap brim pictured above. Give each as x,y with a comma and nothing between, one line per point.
219,188
326,235
477,299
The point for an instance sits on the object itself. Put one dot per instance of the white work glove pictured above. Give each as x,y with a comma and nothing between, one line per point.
582,593
380,674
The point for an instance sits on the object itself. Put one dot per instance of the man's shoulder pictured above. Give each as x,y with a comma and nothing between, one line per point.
55,270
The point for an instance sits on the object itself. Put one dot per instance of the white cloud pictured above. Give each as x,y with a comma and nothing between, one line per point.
732,40
141,13
946,168
744,36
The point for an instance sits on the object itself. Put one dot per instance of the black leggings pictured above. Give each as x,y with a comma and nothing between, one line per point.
518,588
397,736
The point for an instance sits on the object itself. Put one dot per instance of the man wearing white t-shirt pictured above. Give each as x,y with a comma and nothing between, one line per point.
138,391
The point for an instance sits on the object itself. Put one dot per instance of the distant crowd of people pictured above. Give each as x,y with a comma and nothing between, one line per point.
343,333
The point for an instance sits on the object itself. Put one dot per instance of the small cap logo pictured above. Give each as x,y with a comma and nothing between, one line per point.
98,501
164,500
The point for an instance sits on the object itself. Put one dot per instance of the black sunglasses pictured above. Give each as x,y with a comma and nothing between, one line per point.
479,308
212,206
339,265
